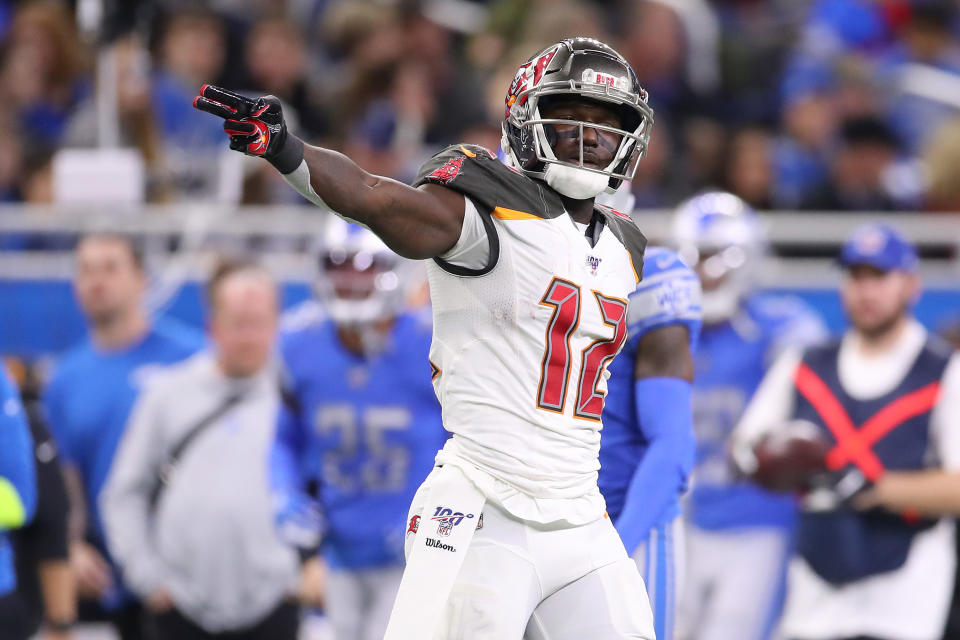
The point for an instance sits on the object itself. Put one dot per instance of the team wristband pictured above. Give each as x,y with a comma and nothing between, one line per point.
289,156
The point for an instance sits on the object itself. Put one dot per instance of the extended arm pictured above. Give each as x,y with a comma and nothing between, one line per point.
664,373
930,492
416,223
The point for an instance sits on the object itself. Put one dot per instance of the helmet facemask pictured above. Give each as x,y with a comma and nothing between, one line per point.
360,283
529,138
720,237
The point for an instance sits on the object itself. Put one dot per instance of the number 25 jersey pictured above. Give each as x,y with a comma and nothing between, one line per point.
521,346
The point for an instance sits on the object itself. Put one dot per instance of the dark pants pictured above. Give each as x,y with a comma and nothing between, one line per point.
128,621
14,618
281,624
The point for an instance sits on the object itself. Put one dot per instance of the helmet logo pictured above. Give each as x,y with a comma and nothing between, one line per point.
590,76
528,75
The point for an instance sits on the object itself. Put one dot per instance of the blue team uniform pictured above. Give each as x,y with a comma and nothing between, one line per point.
730,362
669,294
90,397
364,430
16,471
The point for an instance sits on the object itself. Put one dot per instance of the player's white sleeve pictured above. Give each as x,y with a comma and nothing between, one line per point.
945,419
472,250
299,179
770,407
668,294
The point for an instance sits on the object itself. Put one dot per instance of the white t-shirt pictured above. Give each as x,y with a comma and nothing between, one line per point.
910,603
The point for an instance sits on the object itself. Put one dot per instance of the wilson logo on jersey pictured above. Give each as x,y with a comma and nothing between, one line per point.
448,519
436,544
447,172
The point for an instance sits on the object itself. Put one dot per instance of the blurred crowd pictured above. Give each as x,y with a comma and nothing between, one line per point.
791,104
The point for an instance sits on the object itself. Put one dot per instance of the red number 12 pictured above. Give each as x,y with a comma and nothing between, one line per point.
564,297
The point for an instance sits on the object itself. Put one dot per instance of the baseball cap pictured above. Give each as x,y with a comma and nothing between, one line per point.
879,245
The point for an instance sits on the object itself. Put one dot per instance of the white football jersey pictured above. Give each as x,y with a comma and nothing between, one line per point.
521,347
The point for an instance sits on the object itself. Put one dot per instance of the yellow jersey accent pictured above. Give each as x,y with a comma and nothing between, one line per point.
502,213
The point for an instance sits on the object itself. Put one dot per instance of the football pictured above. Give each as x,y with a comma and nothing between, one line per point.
788,458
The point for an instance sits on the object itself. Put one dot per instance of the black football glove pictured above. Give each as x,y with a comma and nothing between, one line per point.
256,127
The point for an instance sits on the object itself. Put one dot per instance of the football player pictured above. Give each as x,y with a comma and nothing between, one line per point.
738,535
359,421
647,449
529,283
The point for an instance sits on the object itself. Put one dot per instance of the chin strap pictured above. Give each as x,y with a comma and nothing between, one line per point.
574,182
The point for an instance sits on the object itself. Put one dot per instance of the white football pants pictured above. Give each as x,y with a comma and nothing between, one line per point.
734,585
524,580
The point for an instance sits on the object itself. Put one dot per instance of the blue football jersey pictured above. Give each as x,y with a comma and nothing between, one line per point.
730,362
364,430
668,294
92,392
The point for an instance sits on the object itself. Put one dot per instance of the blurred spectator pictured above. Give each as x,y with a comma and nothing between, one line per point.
42,71
18,499
802,151
192,52
11,150
756,37
833,28
137,120
863,164
921,73
45,585
673,47
36,176
35,187
748,167
941,159
187,506
89,398
276,57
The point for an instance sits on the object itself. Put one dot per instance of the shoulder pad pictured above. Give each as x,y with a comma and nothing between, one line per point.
629,234
475,172
669,294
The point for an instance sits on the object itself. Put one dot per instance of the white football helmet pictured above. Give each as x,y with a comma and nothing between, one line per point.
720,236
360,280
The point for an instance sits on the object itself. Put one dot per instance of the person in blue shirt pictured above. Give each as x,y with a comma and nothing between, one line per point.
360,424
18,489
738,536
647,445
89,398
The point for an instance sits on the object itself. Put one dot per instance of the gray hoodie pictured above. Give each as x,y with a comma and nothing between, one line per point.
210,540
